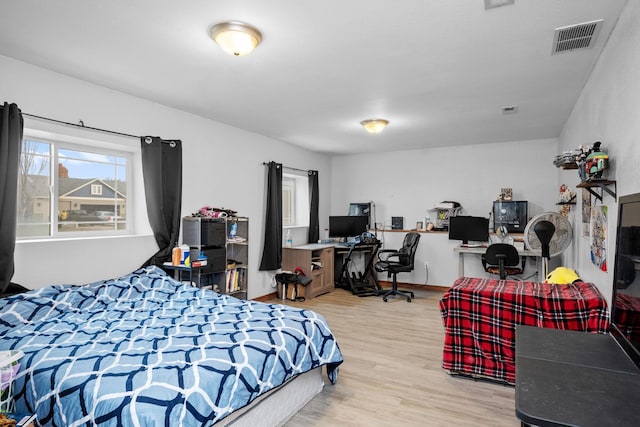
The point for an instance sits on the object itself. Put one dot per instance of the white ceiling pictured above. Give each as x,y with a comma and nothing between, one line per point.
439,71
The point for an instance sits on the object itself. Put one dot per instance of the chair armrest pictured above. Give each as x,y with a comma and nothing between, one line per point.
387,254
401,257
387,251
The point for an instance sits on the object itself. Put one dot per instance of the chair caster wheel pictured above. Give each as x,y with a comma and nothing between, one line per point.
384,299
408,299
412,295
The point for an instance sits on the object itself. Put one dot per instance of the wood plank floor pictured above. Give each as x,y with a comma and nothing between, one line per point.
392,373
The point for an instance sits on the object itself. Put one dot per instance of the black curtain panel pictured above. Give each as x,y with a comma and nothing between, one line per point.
162,170
11,130
314,200
272,250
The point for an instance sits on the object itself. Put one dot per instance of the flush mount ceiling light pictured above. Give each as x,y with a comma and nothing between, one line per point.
236,38
509,109
374,125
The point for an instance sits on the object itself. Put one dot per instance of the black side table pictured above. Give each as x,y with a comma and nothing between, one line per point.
573,378
179,269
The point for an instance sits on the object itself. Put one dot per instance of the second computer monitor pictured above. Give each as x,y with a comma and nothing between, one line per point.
469,229
347,226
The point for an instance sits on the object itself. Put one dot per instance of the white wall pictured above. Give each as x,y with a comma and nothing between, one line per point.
608,110
409,183
222,167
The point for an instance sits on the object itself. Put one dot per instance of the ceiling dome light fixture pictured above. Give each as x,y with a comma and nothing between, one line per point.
374,125
236,38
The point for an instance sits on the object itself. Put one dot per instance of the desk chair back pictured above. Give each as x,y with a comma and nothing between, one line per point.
408,250
502,259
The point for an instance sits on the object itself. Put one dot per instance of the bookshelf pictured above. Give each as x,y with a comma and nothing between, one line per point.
237,248
225,243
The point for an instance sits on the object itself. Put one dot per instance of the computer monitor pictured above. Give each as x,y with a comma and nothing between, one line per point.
347,226
359,209
469,229
511,214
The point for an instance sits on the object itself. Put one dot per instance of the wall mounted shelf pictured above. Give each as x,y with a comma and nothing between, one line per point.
567,166
571,201
603,184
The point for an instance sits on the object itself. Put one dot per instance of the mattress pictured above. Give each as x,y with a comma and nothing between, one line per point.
279,405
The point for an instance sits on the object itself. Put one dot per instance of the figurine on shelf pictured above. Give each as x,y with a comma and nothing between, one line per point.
592,162
596,163
565,195
565,198
506,194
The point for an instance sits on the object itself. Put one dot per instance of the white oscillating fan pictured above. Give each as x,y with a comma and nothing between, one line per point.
560,239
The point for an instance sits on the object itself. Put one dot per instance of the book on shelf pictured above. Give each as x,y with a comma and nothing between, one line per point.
235,279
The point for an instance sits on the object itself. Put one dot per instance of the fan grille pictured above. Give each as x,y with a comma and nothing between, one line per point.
561,238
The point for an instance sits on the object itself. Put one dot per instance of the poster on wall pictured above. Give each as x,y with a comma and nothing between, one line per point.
599,237
586,211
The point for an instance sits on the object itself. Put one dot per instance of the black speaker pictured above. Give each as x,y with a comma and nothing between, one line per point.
397,222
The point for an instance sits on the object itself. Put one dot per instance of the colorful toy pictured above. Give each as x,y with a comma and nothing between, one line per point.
592,162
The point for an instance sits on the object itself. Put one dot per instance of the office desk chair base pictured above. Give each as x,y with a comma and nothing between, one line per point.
407,294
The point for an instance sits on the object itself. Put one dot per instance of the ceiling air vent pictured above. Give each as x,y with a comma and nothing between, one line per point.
580,36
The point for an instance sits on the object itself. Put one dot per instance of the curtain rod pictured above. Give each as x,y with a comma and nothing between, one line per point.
288,167
81,125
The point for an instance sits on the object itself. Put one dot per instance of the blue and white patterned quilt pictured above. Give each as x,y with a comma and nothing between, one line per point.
146,350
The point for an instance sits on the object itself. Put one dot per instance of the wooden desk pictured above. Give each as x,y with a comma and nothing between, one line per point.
461,251
570,378
305,257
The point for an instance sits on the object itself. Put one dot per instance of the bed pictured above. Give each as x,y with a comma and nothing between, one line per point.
147,350
480,316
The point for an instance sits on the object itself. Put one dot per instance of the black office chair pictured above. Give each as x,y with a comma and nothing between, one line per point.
398,261
503,259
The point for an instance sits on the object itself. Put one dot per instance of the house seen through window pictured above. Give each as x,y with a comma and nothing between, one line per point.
66,190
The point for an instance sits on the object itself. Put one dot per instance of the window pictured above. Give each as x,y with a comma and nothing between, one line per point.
96,190
288,200
295,200
67,189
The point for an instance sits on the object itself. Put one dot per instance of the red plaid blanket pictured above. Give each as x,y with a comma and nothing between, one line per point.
627,316
480,316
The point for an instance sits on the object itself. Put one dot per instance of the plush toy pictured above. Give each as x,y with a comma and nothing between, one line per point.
562,276
210,212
